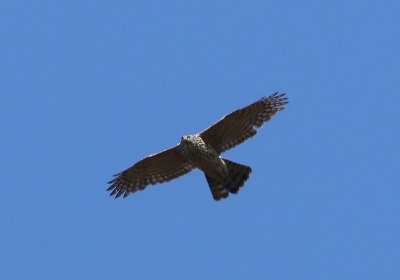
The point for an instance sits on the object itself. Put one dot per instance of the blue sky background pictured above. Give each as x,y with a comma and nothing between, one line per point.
87,88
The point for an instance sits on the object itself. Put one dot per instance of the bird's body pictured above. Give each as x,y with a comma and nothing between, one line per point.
203,151
203,156
218,171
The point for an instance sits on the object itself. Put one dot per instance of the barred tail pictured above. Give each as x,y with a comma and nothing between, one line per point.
237,175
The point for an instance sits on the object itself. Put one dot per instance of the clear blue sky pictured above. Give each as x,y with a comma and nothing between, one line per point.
87,88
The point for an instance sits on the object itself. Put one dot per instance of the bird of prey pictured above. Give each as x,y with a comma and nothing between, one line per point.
203,151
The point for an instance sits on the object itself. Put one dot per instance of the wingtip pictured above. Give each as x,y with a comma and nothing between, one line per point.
276,96
277,100
279,95
110,187
114,192
120,192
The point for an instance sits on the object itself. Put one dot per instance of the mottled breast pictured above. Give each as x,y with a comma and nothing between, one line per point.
194,148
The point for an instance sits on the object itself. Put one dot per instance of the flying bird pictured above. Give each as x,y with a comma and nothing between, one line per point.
203,151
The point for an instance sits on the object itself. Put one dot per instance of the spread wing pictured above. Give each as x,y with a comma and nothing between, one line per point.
156,168
241,124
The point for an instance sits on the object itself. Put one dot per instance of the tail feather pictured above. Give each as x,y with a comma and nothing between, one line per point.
237,175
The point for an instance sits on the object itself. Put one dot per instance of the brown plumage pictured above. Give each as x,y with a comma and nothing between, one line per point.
203,151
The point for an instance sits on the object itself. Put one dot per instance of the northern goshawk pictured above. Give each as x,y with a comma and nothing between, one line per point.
203,151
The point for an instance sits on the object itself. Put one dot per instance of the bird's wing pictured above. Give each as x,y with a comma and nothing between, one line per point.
241,124
157,168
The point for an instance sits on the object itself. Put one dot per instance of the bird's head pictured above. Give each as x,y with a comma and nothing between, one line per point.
187,139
